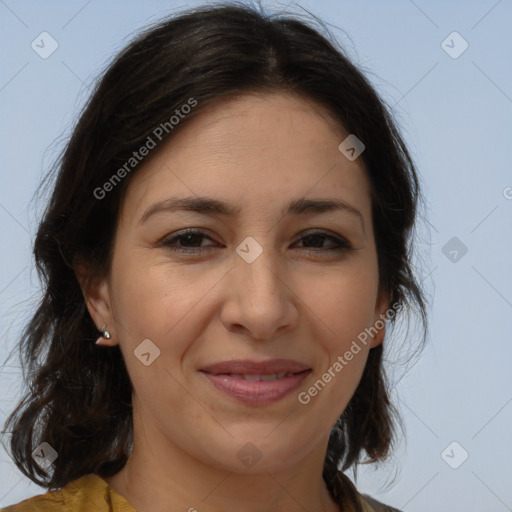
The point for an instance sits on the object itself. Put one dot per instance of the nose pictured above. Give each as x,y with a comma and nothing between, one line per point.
260,302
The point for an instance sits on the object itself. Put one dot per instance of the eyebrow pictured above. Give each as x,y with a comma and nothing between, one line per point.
211,206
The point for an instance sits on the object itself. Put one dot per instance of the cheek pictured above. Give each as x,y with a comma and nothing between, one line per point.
341,312
141,299
342,304
154,300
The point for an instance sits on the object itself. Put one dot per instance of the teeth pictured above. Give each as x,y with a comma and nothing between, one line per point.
256,378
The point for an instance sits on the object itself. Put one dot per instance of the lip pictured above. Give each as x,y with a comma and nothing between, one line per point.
251,367
256,393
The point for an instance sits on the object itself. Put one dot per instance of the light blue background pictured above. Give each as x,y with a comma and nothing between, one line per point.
456,116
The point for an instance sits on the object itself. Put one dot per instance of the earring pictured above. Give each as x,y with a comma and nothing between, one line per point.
105,334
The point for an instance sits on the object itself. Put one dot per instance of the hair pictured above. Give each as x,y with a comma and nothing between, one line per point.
80,395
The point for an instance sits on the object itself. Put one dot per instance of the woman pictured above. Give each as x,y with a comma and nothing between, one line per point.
232,215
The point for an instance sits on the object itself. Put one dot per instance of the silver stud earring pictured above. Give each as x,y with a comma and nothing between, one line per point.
104,334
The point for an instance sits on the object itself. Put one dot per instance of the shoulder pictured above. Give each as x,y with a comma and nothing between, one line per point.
372,505
50,501
89,493
345,486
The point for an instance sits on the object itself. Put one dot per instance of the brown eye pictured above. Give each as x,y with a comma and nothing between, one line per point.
317,239
188,241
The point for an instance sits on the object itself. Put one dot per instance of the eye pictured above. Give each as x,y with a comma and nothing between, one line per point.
316,238
189,242
188,236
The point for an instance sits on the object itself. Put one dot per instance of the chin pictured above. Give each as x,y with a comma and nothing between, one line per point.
259,453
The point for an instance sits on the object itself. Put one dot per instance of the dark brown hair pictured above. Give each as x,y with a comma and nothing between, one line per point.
80,395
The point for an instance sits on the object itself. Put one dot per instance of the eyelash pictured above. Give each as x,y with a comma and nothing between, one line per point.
341,245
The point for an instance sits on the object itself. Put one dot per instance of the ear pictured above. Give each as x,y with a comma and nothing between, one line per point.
382,305
97,298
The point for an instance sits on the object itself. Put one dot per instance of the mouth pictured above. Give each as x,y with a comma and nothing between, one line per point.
257,378
257,383
247,367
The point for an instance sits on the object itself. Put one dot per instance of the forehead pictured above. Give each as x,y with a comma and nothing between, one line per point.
255,151
274,123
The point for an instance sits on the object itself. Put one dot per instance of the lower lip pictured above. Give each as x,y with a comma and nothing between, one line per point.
260,392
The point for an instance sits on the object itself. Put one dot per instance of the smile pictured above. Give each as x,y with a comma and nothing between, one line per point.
256,390
255,378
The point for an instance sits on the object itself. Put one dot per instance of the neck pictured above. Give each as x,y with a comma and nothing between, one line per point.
159,475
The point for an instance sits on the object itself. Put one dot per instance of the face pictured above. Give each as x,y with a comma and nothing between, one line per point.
259,284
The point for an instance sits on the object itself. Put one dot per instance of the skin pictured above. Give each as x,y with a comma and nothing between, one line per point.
257,152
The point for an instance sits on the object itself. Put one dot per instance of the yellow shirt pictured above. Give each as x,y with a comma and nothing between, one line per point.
90,493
